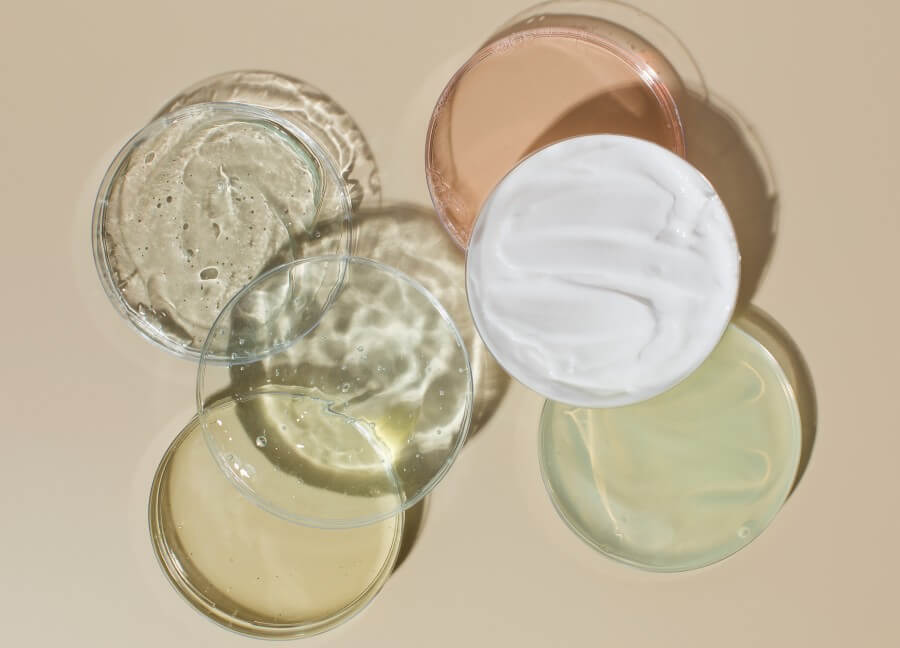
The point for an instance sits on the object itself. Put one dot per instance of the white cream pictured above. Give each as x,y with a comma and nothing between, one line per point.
602,270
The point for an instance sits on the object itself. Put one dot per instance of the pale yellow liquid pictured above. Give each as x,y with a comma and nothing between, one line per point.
300,456
686,478
250,570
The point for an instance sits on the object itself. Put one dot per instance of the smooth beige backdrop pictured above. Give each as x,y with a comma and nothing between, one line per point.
89,407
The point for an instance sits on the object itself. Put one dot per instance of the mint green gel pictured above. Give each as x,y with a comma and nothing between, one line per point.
684,479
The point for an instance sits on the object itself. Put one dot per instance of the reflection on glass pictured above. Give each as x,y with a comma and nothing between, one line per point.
199,203
349,392
553,73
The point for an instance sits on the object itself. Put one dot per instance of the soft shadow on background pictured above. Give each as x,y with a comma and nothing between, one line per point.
724,147
779,343
622,109
410,238
412,526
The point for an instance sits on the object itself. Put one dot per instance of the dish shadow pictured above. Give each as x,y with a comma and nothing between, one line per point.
718,141
410,238
623,109
779,343
412,527
726,149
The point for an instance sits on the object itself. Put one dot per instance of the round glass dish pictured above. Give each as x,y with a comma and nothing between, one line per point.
550,74
347,395
250,571
602,270
687,478
201,201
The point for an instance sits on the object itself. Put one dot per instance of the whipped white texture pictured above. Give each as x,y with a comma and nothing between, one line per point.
602,270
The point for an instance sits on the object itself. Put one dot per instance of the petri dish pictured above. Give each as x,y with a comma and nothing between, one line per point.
348,391
602,270
201,201
683,480
542,79
252,572
307,107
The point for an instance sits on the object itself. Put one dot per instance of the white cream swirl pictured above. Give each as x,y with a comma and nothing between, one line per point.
602,270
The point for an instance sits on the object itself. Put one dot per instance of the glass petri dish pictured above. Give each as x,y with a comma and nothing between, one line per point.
683,480
304,105
541,79
201,201
602,270
347,396
410,239
252,572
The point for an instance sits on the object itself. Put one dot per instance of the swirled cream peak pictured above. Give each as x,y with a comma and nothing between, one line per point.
602,270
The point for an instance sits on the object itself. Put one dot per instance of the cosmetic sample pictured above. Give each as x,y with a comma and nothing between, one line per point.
200,202
684,479
602,270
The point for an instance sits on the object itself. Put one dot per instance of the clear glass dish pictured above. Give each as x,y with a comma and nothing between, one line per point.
250,571
602,271
347,394
555,71
201,201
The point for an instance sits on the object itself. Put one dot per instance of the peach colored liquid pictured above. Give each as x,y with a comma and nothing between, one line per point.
525,91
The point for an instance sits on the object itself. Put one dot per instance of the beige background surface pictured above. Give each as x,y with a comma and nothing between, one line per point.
89,407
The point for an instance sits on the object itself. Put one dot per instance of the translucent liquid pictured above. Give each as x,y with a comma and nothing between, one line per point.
306,457
250,570
686,478
350,422
307,107
202,203
525,91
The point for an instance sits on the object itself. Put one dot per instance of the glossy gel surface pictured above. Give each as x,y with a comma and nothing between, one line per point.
349,391
687,478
